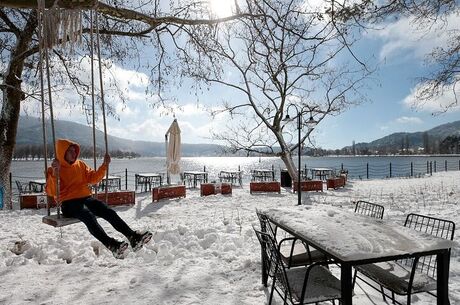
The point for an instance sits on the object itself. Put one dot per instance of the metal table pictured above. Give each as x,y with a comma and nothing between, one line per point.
112,182
321,172
196,176
263,174
147,180
37,185
231,176
352,239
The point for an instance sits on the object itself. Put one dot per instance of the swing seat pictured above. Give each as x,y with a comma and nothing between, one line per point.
55,221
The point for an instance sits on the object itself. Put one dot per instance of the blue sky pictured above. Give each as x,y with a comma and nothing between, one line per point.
398,48
401,50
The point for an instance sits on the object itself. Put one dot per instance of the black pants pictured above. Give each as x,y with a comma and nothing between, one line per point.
86,209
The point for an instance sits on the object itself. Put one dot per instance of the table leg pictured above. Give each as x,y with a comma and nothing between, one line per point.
346,284
443,278
263,257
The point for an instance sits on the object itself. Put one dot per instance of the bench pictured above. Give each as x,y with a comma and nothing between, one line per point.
344,173
35,201
118,198
38,200
265,186
168,191
207,189
335,183
310,185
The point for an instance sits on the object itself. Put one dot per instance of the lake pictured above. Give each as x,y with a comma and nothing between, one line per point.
359,167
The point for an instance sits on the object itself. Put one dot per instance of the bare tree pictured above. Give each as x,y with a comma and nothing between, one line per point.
293,56
126,31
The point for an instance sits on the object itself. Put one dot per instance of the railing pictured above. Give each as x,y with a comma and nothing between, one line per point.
390,170
366,170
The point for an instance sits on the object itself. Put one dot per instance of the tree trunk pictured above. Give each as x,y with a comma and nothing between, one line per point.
12,97
286,157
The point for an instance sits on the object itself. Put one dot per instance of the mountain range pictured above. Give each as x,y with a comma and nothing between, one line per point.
412,140
30,133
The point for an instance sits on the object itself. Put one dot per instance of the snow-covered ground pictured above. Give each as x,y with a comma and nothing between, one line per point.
204,250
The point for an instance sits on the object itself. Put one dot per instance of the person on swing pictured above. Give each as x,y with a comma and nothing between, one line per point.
76,178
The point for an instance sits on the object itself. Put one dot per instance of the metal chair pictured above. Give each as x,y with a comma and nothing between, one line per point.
409,276
300,285
186,180
369,209
23,188
292,253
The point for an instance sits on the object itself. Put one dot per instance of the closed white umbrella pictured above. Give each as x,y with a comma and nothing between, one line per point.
173,151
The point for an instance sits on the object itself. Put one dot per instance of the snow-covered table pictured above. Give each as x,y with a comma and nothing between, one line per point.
353,239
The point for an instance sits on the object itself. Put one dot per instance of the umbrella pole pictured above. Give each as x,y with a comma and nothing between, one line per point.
168,177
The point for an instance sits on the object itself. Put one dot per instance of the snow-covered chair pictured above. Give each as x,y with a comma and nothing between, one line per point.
23,188
413,275
293,252
299,285
369,209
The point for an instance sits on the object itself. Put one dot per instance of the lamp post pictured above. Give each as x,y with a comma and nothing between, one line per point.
311,123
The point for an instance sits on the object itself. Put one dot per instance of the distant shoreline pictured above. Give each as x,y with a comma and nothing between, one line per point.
294,157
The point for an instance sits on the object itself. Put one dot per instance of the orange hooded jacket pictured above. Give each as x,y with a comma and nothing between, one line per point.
75,179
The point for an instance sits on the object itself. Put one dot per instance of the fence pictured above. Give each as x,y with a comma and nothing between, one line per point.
390,170
366,170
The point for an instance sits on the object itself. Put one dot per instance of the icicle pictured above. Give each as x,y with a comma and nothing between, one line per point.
61,26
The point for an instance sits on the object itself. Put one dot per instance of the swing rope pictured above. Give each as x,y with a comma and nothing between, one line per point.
42,94
101,82
48,36
93,107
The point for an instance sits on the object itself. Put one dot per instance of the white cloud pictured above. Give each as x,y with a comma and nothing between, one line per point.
404,38
191,110
139,118
408,120
403,123
436,104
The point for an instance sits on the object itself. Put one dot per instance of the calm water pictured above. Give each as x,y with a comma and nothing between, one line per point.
358,167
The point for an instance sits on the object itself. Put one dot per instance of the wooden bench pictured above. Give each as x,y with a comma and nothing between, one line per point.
118,198
265,186
335,183
168,191
38,200
344,173
35,201
310,185
207,189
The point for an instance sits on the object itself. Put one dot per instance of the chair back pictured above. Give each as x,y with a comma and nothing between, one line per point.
265,225
434,226
369,209
22,189
276,267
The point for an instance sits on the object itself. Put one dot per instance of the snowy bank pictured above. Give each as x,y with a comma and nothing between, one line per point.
203,251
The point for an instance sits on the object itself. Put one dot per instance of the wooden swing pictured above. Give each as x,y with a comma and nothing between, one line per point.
47,33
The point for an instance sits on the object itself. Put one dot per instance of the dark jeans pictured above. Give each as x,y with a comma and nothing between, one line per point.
86,209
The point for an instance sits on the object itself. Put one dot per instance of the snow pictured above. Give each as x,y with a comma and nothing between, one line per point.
204,250
350,236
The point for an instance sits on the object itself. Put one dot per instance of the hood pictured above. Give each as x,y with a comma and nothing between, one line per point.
61,147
